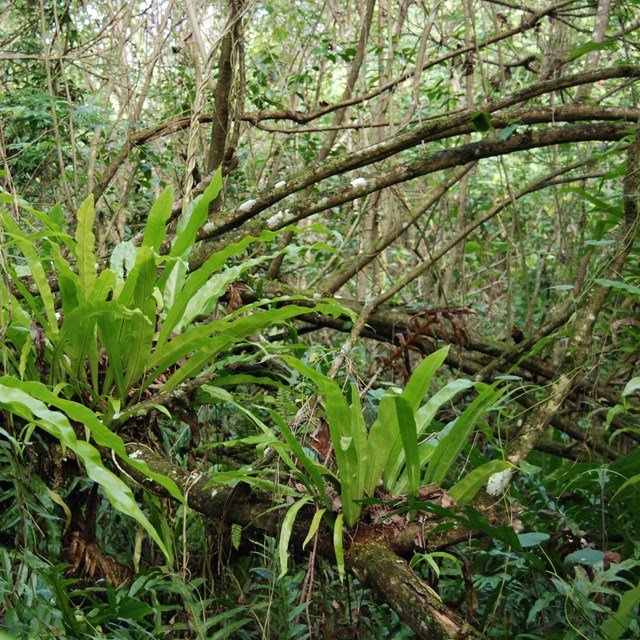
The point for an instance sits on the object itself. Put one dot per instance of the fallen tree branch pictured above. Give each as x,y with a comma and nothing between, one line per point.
373,552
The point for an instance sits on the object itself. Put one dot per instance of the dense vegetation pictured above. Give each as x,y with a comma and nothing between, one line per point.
319,319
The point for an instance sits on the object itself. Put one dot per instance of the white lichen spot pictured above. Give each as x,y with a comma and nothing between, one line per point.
136,454
275,220
498,482
214,493
208,227
279,184
245,206
405,225
358,182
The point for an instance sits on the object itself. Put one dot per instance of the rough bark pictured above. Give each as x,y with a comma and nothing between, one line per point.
413,600
232,226
373,553
458,123
222,95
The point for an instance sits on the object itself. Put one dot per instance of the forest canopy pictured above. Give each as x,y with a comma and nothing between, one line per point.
320,319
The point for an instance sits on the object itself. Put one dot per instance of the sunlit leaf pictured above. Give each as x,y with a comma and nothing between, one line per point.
85,249
285,533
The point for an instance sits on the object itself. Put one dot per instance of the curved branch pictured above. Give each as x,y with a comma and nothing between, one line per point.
456,123
302,117
451,125
431,163
588,308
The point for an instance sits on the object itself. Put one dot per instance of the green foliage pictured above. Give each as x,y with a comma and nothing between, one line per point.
96,350
391,450
107,351
16,399
41,602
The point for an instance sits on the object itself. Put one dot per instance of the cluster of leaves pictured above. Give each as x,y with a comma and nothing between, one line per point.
390,450
88,347
121,330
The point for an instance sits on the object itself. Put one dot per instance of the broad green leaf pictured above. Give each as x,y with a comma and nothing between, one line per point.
56,216
450,446
618,284
77,333
612,628
418,385
591,45
599,204
415,391
230,333
85,247
383,438
586,556
34,264
465,489
508,131
407,428
359,440
632,386
195,217
76,342
285,533
172,280
428,412
68,279
631,481
423,419
184,344
532,539
183,288
325,306
340,426
315,523
102,435
140,327
155,229
202,300
19,402
338,545
121,262
109,324
104,285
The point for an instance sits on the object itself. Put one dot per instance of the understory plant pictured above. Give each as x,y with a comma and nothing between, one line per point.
89,345
403,449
